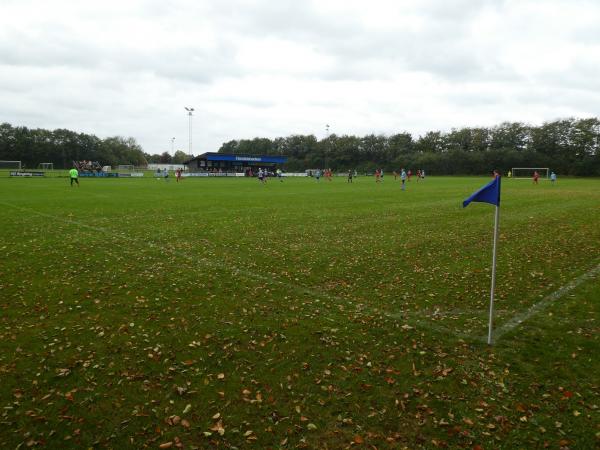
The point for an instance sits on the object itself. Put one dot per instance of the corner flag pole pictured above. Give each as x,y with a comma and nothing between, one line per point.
491,322
490,193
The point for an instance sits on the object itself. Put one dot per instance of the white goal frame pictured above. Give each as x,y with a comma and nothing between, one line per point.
127,167
7,165
46,166
529,172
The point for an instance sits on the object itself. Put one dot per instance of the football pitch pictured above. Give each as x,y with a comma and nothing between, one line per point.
225,313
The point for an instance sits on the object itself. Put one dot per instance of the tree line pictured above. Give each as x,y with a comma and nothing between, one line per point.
567,146
61,147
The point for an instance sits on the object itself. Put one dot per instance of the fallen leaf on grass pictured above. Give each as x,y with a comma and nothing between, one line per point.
218,427
63,372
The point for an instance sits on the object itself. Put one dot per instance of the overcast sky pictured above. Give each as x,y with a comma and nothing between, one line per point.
272,68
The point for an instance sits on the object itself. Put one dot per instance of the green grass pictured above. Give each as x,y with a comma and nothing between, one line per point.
296,314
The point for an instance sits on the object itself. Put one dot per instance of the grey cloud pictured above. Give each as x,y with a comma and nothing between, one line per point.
90,83
55,48
358,53
285,19
441,48
58,49
554,97
468,98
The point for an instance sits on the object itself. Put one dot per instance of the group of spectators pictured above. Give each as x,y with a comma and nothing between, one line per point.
216,170
87,166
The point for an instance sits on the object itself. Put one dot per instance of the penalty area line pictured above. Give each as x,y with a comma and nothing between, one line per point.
543,304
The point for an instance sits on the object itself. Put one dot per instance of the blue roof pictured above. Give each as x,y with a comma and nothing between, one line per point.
243,158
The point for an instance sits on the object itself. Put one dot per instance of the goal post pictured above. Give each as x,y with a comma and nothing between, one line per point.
8,165
46,166
125,168
522,173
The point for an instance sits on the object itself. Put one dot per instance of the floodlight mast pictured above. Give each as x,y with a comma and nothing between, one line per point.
328,146
190,110
172,144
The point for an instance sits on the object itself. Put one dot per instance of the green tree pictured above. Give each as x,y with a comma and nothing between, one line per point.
229,147
510,135
430,142
165,158
179,157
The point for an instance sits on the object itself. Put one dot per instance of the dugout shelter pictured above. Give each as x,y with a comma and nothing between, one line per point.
223,162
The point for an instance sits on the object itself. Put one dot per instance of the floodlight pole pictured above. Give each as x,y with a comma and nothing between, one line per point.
190,110
172,144
328,145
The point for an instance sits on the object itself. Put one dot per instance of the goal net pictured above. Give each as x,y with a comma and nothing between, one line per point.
527,172
7,165
125,168
46,166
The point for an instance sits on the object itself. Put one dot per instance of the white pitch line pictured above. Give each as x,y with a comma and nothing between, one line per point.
429,325
544,303
514,322
247,273
207,262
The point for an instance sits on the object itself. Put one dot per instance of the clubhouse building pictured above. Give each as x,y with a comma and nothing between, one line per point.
227,163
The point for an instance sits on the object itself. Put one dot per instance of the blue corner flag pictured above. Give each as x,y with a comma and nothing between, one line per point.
490,193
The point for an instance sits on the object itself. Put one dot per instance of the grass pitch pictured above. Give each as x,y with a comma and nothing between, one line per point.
224,313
